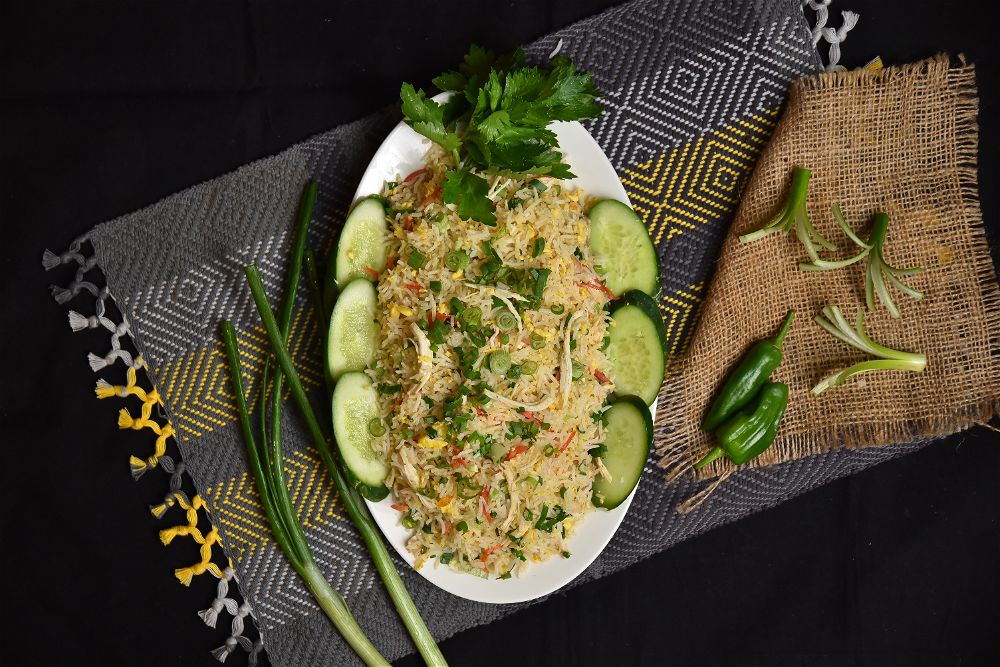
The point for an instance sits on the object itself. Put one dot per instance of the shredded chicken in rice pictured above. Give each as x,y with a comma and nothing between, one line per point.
491,371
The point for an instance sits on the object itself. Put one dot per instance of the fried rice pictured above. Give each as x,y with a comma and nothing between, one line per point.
491,371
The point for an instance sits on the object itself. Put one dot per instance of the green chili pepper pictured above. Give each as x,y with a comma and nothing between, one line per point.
747,377
752,430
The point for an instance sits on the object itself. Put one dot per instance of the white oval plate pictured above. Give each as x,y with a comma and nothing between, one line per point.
401,153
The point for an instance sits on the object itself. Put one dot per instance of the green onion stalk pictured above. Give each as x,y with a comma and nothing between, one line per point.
794,216
266,456
833,321
286,528
356,509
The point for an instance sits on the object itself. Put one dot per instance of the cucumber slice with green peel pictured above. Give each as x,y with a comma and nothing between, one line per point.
353,337
623,249
637,347
355,405
628,438
361,251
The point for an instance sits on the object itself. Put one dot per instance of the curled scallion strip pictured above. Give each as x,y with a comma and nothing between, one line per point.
794,216
879,274
832,320
819,264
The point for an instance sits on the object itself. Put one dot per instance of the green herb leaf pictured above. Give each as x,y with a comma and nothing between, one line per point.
427,117
469,192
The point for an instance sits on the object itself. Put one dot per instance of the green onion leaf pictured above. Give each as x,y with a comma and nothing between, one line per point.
538,247
416,259
506,321
376,428
457,260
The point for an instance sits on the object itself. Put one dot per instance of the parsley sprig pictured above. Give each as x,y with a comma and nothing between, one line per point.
497,121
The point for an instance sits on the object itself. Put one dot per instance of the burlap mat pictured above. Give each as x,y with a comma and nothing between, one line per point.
904,141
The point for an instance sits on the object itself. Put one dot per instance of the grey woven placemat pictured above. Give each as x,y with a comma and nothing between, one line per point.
691,91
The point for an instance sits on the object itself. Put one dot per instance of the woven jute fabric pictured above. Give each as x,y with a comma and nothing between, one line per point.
902,141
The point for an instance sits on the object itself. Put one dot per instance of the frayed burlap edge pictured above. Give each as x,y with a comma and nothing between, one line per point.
677,455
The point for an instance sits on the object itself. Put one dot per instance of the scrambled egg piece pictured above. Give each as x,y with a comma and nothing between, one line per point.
396,310
427,442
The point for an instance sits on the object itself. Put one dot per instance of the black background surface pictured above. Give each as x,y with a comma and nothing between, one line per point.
105,108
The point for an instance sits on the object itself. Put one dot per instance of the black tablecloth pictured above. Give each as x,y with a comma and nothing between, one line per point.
106,107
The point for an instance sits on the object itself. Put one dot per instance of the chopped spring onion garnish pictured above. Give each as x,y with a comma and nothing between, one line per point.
557,309
416,259
794,216
472,316
506,321
834,322
538,247
528,367
376,427
499,362
537,341
457,260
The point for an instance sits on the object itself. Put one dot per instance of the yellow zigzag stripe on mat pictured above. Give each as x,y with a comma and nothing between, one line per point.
693,185
237,505
197,386
679,309
145,420
699,182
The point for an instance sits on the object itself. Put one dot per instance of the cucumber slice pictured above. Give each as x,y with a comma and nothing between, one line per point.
355,404
622,247
628,438
354,334
361,245
638,346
